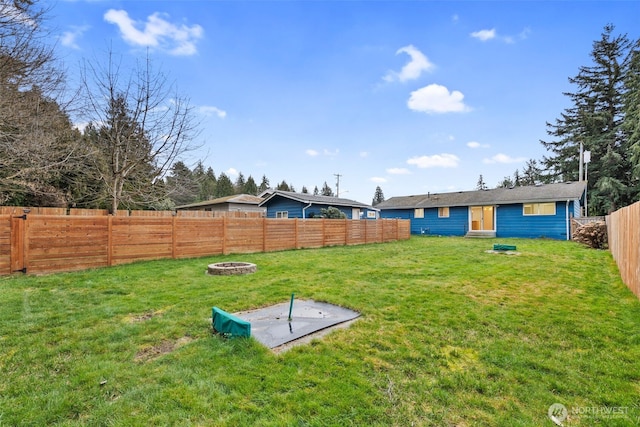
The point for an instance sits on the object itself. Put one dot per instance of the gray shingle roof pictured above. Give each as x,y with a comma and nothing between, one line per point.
236,198
320,200
525,194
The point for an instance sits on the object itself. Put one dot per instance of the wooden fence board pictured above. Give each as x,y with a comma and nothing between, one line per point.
52,243
280,235
5,244
199,236
65,243
624,243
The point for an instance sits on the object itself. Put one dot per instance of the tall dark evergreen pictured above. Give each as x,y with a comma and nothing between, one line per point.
378,196
326,190
264,184
250,187
595,119
224,186
631,124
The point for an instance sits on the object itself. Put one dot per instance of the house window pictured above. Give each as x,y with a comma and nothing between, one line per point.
418,213
282,214
539,208
443,212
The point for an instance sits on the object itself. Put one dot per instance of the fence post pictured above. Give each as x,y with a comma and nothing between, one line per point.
110,241
174,237
224,235
264,235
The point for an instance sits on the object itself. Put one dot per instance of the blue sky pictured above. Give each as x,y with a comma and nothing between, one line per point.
411,96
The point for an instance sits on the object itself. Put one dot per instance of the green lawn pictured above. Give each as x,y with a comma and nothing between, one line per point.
449,336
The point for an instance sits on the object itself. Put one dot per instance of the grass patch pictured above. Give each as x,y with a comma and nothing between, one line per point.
449,335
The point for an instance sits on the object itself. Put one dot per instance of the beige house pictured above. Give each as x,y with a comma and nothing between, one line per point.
238,203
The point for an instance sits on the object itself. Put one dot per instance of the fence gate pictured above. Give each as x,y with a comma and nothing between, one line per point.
18,224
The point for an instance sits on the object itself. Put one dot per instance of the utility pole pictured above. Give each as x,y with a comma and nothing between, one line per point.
337,175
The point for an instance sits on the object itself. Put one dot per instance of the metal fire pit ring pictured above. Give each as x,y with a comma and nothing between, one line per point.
231,268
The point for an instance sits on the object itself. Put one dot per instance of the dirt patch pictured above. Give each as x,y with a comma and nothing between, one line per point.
149,314
167,346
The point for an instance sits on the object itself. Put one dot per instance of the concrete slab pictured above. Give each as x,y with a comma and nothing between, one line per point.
270,325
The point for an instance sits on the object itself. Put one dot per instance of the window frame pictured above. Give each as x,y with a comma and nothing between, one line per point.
444,212
282,214
537,209
418,213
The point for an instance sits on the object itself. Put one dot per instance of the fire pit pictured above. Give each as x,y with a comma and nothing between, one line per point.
231,268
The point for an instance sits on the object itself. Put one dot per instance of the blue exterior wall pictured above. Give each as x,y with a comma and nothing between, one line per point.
278,204
295,208
512,222
455,225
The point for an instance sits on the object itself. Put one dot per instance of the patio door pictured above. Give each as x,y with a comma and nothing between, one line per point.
482,218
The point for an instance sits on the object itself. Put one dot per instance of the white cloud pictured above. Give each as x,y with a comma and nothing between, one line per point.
208,110
476,144
437,99
484,35
412,69
232,172
443,160
156,32
69,38
398,171
330,153
364,154
311,152
378,179
503,158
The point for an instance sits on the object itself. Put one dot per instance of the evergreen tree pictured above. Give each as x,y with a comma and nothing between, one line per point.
250,187
283,186
224,186
481,185
517,180
182,186
304,190
595,119
532,174
506,182
316,191
207,183
239,184
326,190
264,185
631,124
378,196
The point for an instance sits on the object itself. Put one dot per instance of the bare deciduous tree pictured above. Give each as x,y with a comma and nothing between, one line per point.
143,125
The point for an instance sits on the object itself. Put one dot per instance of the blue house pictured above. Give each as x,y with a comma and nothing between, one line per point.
527,211
287,204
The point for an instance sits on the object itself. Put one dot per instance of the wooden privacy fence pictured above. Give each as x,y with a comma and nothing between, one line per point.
53,243
623,228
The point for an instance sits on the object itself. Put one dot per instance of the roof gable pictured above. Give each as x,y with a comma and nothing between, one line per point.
313,199
247,199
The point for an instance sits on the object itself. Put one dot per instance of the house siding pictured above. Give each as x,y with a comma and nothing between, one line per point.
455,225
279,204
295,209
511,222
